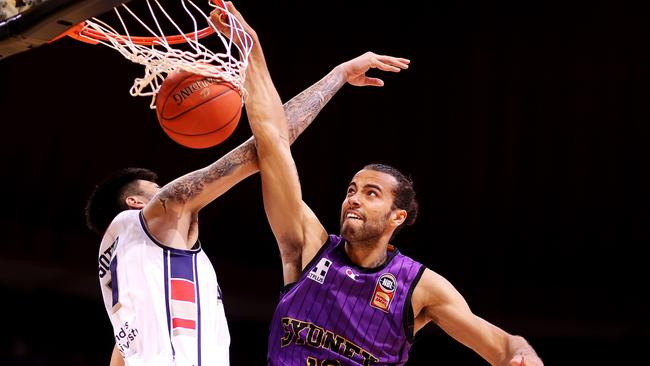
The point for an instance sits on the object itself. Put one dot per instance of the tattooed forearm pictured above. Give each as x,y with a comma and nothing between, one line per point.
300,111
304,107
225,166
187,187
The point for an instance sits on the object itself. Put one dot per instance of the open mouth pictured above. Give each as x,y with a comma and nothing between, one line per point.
352,216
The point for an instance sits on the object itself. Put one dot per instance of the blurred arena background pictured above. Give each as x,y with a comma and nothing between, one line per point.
525,127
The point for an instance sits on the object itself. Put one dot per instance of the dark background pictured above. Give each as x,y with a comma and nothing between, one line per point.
524,125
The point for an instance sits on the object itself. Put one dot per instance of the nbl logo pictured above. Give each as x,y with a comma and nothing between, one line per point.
387,282
319,272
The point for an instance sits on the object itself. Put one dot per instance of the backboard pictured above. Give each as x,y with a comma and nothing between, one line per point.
26,24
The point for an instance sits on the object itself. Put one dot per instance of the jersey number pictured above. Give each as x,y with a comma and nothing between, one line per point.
113,284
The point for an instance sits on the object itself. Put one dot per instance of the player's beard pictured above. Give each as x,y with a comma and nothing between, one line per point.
363,231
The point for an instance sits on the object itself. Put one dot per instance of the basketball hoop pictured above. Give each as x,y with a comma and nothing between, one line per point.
155,51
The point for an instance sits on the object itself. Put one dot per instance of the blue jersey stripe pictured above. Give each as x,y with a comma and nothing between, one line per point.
198,309
114,288
166,278
182,266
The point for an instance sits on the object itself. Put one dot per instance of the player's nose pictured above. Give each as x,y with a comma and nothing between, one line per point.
353,200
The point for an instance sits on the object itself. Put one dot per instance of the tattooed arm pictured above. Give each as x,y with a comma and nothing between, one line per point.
295,256
241,162
304,107
171,215
298,232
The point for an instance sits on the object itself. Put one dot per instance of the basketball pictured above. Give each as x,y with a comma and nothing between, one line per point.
197,111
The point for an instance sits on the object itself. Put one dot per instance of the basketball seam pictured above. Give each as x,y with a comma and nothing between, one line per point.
171,89
233,119
167,118
206,138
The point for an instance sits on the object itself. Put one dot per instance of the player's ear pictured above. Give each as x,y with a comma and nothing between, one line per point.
398,217
135,202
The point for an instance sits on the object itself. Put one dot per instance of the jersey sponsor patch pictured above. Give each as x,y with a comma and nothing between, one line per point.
384,292
125,337
319,272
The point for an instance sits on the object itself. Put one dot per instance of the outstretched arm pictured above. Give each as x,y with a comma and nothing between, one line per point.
297,230
241,162
435,299
297,254
185,196
303,108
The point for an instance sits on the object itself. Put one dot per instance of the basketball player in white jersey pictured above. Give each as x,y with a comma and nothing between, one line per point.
159,287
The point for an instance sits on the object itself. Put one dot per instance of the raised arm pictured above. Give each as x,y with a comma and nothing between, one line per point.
171,212
297,254
298,231
435,299
290,219
200,187
281,191
300,237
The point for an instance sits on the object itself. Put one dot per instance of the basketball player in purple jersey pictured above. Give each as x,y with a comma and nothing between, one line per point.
353,299
159,288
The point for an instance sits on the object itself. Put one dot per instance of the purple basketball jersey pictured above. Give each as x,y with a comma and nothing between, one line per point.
340,314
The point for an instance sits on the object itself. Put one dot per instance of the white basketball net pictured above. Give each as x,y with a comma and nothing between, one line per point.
162,58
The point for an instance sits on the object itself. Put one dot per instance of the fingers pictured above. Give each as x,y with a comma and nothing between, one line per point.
398,61
220,14
388,63
388,67
229,22
231,8
219,18
357,68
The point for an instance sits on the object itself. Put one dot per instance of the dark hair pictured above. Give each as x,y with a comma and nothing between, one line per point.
404,193
108,197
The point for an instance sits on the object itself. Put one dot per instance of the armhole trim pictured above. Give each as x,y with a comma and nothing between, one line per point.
409,317
195,248
311,263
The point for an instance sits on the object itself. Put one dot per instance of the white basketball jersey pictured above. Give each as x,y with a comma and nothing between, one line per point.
164,303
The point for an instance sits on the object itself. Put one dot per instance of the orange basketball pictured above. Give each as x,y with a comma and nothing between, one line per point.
197,111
